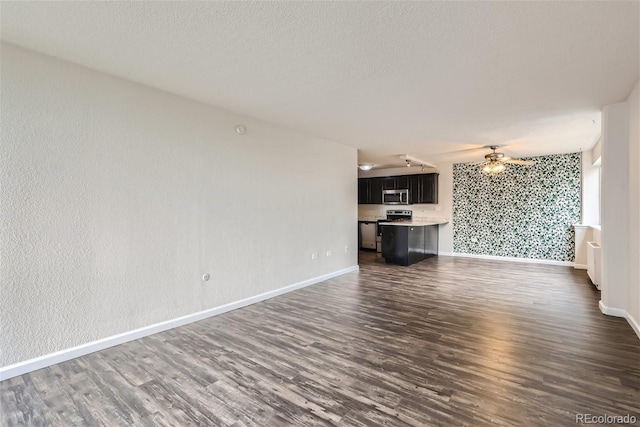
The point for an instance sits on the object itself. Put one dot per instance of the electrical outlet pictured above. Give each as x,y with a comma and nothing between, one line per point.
314,255
329,252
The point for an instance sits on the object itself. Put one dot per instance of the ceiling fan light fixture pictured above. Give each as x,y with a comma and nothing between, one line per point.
494,168
365,167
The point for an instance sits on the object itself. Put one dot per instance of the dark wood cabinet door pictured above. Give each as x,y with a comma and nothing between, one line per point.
414,182
363,191
389,183
402,182
395,244
434,184
375,190
428,188
431,188
415,244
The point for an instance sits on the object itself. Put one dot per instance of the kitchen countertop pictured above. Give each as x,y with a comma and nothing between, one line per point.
416,223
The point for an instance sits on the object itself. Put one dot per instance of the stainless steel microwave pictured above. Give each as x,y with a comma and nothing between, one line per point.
395,197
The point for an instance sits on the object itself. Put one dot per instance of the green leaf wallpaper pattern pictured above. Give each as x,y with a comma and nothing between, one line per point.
524,212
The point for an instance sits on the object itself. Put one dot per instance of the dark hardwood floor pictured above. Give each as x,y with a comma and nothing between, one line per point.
445,342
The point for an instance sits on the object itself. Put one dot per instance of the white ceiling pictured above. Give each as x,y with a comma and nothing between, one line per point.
417,78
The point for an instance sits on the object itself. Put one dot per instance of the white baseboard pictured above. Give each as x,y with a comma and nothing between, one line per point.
31,365
620,312
515,259
611,311
580,266
634,324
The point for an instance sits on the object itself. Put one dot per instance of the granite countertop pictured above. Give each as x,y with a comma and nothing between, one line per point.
371,218
417,222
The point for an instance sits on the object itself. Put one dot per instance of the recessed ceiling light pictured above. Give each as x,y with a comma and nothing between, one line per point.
365,167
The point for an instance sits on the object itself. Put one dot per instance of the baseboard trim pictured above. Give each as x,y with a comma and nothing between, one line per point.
611,311
514,259
634,324
580,266
620,312
31,365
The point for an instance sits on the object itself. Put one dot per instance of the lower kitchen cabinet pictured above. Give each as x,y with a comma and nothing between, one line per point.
406,245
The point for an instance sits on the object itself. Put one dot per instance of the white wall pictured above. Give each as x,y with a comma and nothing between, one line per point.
117,197
596,152
443,209
445,199
615,204
620,210
590,204
634,206
590,189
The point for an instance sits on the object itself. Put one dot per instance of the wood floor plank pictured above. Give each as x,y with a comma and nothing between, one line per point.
447,341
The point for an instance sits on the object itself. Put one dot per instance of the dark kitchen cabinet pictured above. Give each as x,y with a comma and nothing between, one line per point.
428,188
423,188
402,182
389,183
414,186
392,243
370,191
375,191
363,191
395,182
406,245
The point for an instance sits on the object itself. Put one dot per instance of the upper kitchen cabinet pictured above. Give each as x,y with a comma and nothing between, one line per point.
363,191
395,182
375,187
402,182
423,188
388,183
370,191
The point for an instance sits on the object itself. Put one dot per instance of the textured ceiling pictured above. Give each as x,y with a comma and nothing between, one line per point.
417,78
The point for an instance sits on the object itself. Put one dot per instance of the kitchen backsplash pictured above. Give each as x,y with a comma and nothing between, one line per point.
422,211
525,212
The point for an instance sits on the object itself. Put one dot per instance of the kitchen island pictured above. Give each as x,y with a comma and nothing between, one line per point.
408,242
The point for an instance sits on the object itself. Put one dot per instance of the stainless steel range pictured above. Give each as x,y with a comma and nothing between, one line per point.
393,215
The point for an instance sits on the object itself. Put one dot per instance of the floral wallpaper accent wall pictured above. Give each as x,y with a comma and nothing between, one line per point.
524,212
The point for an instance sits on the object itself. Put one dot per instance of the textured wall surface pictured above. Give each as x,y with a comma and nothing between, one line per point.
116,198
410,76
525,212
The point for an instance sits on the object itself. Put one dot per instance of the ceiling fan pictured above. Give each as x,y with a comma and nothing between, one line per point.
494,162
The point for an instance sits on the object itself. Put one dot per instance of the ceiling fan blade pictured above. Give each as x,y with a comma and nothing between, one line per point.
465,150
518,162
